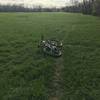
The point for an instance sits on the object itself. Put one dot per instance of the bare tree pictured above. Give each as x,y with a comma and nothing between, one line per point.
96,7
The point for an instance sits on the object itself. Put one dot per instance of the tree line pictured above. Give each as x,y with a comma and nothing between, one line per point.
91,7
86,7
20,8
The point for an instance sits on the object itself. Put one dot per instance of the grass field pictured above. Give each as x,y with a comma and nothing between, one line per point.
26,74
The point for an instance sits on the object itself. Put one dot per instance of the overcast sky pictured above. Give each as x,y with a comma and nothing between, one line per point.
43,3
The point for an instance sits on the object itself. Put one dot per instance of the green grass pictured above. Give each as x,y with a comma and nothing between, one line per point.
26,74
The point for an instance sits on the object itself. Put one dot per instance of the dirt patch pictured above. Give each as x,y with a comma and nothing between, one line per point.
57,80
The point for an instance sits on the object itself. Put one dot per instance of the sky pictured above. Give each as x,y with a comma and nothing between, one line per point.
43,3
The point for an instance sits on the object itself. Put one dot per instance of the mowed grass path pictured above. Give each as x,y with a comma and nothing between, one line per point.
26,74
